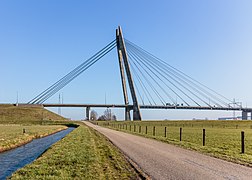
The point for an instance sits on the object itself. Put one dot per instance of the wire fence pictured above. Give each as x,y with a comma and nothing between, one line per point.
218,137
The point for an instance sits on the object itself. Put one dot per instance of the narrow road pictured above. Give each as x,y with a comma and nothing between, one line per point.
163,161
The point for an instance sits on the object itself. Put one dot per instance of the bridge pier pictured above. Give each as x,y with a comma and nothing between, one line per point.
127,114
250,115
87,113
244,115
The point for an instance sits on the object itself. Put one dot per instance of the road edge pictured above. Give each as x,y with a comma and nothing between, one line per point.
134,165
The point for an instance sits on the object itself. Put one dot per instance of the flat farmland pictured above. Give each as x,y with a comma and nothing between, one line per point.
222,138
12,136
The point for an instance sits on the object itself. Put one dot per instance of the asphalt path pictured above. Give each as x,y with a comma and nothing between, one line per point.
164,161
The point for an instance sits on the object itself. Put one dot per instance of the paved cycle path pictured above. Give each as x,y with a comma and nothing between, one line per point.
164,161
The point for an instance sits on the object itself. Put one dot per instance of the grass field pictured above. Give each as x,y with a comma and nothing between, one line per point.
10,114
36,121
12,136
82,154
223,138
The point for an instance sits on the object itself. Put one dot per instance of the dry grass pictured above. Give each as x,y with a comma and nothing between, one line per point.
10,114
12,136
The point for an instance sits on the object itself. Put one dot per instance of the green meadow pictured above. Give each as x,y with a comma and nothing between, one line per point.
82,154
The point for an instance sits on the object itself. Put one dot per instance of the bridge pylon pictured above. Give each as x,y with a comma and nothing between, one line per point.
124,64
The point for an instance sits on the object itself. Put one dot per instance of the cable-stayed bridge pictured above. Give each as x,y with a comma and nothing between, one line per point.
151,82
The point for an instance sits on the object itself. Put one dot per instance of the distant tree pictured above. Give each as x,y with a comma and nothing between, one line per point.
102,118
93,115
114,117
108,115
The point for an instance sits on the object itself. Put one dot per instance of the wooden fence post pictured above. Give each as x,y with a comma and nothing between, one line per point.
180,134
146,130
204,136
154,129
242,143
165,131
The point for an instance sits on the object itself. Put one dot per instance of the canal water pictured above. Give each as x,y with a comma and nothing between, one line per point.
14,159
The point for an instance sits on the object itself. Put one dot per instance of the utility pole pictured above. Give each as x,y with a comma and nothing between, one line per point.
17,99
59,109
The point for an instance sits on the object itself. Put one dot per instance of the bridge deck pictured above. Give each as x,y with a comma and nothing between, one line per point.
150,107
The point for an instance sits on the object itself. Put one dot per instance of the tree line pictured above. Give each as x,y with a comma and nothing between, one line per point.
107,115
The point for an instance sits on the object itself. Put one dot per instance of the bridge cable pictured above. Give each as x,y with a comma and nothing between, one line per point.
71,75
180,73
178,80
149,83
152,67
176,74
132,57
143,87
136,58
157,69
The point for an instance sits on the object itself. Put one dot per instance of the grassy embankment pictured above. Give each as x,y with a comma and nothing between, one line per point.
10,114
223,138
36,121
82,154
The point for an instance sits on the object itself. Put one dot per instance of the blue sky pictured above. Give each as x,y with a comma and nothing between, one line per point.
41,41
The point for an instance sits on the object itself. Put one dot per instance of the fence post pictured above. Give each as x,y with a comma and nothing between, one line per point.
164,131
204,136
130,127
134,128
154,129
139,129
146,130
180,134
242,143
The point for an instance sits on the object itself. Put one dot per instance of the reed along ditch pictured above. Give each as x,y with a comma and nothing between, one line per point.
16,158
